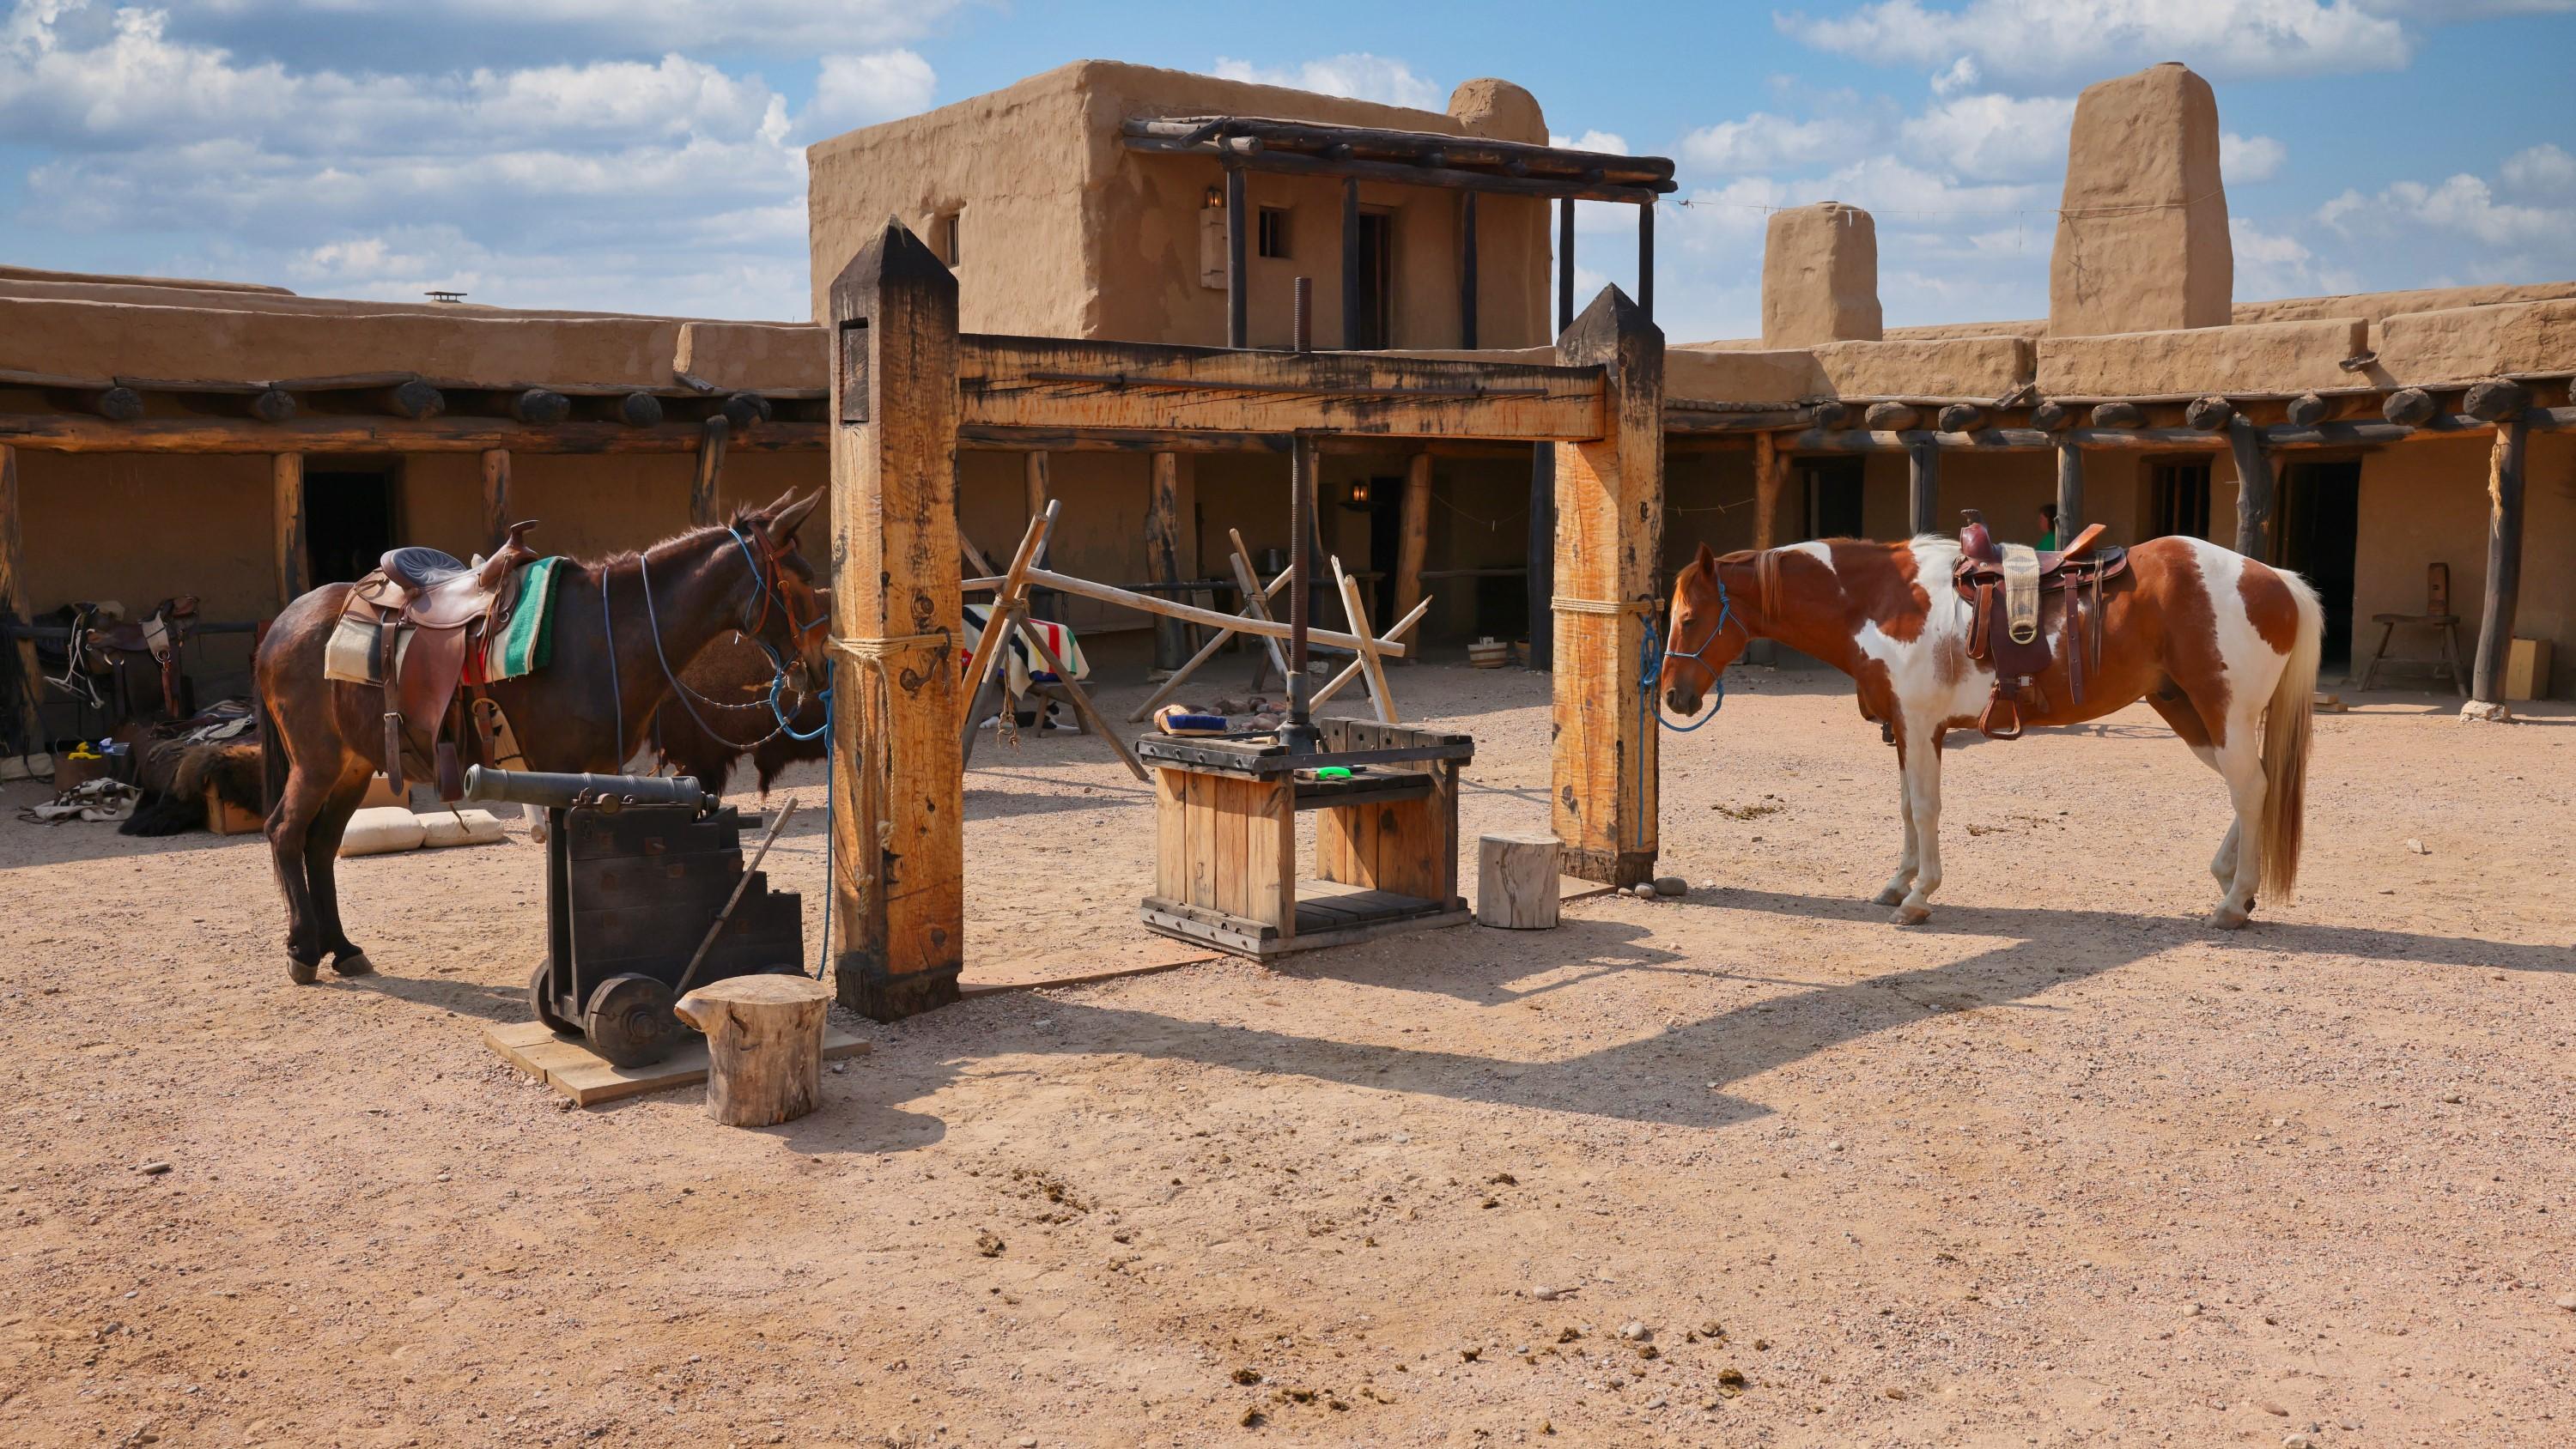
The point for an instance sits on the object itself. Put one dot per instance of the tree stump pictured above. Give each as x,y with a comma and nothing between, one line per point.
764,1046
1516,881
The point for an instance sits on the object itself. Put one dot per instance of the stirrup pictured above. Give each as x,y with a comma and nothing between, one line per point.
393,750
1986,721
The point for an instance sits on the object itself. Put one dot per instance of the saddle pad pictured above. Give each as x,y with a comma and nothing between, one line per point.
1022,665
526,639
2021,592
352,655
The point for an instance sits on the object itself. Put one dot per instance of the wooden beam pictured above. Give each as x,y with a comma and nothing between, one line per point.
1564,265
1256,600
898,793
496,497
985,438
1923,487
1609,509
1770,485
1238,279
1241,156
286,520
1413,537
640,410
2253,486
2504,568
540,407
1007,597
1646,260
1542,557
411,398
64,433
2070,490
1037,476
1072,385
1381,695
1351,264
1148,604
1467,271
1162,555
1519,158
1253,607
713,442
17,607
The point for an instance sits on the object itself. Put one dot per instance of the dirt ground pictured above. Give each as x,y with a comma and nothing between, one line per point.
2062,1166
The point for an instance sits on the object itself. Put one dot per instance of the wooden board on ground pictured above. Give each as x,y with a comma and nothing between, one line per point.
572,1068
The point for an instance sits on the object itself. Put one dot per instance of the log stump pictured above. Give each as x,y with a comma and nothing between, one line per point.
1516,882
764,1046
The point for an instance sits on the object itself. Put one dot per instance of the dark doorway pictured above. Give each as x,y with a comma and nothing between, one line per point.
349,520
1386,540
2179,495
2317,534
1833,497
1376,278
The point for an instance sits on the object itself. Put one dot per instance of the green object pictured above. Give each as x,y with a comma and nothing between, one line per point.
528,641
1332,772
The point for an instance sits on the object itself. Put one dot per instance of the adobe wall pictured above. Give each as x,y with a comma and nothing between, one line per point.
2423,503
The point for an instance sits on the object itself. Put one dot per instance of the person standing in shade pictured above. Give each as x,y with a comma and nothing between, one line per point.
2047,526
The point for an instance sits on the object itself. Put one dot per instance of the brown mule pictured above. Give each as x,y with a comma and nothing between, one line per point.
587,709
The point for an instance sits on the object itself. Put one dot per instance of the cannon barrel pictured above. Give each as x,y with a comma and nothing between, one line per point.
558,791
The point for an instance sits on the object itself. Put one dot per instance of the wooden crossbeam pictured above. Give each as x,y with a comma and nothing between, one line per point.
1147,603
1380,696
1253,597
1351,671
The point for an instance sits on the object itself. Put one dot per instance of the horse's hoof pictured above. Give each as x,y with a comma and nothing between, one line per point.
2228,918
1887,897
353,963
302,973
1910,916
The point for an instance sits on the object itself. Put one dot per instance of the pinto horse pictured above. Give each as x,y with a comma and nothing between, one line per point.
620,627
2224,647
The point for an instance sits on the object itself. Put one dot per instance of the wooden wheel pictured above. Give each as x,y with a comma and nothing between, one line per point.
629,1020
541,1000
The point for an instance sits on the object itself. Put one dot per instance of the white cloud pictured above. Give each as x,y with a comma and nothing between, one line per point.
1607,141
2463,205
1765,142
1357,74
2025,45
2277,264
1992,137
2249,158
2542,171
860,90
613,27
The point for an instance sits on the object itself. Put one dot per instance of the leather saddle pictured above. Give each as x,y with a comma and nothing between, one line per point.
432,611
163,638
2009,589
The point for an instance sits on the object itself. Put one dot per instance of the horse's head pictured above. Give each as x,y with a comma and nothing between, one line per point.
1704,632
796,621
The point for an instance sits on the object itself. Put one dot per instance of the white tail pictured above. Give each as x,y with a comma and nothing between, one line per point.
2286,728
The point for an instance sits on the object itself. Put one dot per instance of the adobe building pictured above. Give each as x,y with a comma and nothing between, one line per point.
240,443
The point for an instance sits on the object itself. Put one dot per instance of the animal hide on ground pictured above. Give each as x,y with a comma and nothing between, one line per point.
175,776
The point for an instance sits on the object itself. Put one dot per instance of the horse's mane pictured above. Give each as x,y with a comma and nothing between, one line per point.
626,557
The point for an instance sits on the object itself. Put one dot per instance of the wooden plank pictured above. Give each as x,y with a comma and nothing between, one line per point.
1351,670
1171,833
1335,859
286,520
571,1068
14,605
897,783
1198,848
1234,803
1075,384
1257,605
496,496
1237,158
1148,604
713,442
1380,694
1270,853
1609,508
355,433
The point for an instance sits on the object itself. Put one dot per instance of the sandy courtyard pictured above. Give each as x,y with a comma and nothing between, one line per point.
2061,1167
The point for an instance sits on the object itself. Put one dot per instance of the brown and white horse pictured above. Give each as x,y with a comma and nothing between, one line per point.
2224,647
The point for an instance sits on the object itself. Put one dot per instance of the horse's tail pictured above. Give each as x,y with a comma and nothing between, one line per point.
2286,729
273,763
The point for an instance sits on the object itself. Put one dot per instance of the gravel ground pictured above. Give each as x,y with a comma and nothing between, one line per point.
1751,1166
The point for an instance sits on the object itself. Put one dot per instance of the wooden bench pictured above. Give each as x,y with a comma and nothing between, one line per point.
1386,839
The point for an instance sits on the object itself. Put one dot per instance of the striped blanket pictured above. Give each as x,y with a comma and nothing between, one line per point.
523,646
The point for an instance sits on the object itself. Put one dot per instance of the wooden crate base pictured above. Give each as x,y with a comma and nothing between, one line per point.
569,1066
1343,919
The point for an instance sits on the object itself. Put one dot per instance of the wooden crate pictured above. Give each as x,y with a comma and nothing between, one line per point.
2526,669
225,818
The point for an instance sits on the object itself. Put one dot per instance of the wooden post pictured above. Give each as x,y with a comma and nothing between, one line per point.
1041,486
496,496
1238,285
2253,487
1646,260
15,604
711,456
1609,510
1414,539
1351,263
898,858
1541,569
1382,697
1770,484
1162,558
2070,489
1516,882
2504,568
286,515
1923,486
1564,265
1467,271
764,1046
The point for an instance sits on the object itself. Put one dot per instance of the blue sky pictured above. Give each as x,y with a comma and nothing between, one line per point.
646,154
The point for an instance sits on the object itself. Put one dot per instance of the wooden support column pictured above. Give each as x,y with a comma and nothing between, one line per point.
1413,539
1238,284
1923,486
286,515
1541,568
496,496
2070,489
1564,265
1646,260
1351,263
2504,568
1609,509
898,857
1770,485
15,605
711,456
2253,487
1162,558
1041,486
1467,271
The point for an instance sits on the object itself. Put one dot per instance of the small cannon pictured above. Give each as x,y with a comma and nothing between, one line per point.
637,870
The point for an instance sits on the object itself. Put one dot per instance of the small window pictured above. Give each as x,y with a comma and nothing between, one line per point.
947,232
1274,231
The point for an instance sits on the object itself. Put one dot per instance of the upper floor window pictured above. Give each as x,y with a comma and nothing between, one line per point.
946,230
1274,231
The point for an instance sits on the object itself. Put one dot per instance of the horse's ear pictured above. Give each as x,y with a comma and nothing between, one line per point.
1707,560
778,504
787,517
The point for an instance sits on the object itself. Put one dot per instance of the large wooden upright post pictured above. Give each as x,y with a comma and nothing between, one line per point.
2504,568
286,517
711,456
1770,487
2253,488
1163,558
1922,487
14,605
1413,538
898,857
1467,301
2070,489
1609,531
1352,262
496,496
